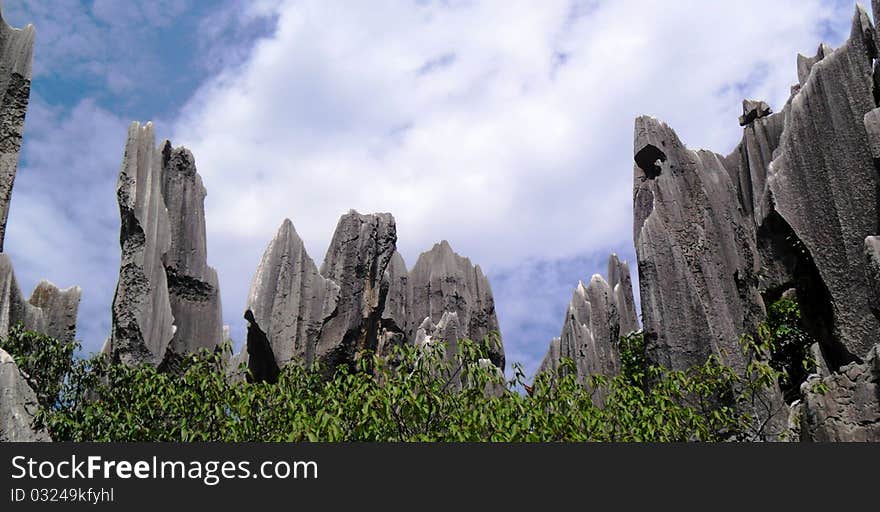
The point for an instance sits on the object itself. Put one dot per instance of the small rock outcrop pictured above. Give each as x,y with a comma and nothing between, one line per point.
49,310
620,281
18,405
167,300
16,55
849,410
442,281
193,287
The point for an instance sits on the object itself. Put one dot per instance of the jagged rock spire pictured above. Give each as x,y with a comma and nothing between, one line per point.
444,281
18,405
167,300
396,320
49,311
193,286
16,55
696,253
287,305
825,185
597,316
143,324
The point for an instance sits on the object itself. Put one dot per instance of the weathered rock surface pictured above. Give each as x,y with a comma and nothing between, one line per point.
598,315
872,255
620,282
850,408
193,287
591,330
18,405
356,260
142,323
442,281
16,54
825,185
49,311
287,306
395,322
697,256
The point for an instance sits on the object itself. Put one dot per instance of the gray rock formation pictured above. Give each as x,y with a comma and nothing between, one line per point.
620,282
167,301
697,255
142,323
49,311
590,332
193,286
598,315
824,183
359,253
18,405
443,281
850,408
395,322
296,312
16,53
287,305
872,255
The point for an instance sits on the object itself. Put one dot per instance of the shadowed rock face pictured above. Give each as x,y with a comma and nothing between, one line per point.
696,252
444,281
598,315
872,255
287,306
395,323
621,287
193,287
16,53
359,254
49,311
18,405
849,410
142,325
824,183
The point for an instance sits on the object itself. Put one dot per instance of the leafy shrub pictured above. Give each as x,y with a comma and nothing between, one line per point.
411,395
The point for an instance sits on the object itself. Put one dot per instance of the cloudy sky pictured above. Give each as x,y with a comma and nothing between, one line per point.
504,127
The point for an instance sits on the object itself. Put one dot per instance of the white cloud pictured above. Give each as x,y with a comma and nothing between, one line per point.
503,127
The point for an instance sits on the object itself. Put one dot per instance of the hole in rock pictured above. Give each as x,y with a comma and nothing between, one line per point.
649,159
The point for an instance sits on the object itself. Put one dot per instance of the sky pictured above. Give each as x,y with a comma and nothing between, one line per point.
504,127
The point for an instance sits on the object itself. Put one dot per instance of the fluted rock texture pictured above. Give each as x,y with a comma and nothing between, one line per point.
49,310
287,305
825,185
872,255
850,408
16,54
395,322
598,314
18,405
167,300
443,281
359,253
697,255
193,287
143,323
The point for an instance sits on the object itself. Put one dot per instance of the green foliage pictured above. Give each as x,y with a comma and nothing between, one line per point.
44,362
412,395
788,344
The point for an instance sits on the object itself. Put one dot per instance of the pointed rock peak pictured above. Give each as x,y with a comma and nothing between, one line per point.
752,110
17,47
805,64
652,142
862,27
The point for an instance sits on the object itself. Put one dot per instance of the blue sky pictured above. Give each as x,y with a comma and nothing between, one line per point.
504,127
